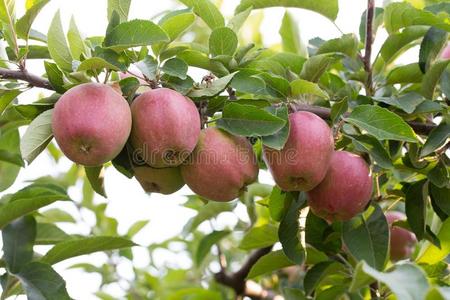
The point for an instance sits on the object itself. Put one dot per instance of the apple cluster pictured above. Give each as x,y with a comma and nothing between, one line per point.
92,123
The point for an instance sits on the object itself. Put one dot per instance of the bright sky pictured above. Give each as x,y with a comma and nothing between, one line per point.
127,202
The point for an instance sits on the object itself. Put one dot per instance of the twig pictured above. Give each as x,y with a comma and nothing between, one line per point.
368,49
324,113
242,287
23,75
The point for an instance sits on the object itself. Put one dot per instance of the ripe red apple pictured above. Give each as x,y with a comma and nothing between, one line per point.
166,127
446,53
91,123
165,181
346,189
303,162
221,166
402,240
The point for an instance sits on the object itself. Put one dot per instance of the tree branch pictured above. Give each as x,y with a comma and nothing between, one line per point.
23,75
369,41
242,287
324,113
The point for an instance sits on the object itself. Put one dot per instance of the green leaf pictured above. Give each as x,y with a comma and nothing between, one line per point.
206,244
207,11
37,136
293,294
279,139
301,87
57,44
6,97
198,59
367,237
347,44
398,42
433,254
41,282
148,67
133,34
30,199
9,142
213,89
381,123
18,241
122,7
406,281
223,41
314,276
415,207
248,120
55,76
206,212
290,36
50,234
279,201
82,246
239,19
407,102
439,175
409,73
289,231
315,66
175,23
338,110
440,196
399,15
96,63
259,237
13,158
431,78
7,16
327,8
76,42
433,42
376,150
268,263
175,67
55,215
136,228
23,25
96,179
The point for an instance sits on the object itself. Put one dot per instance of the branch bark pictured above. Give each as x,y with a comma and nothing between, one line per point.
368,50
325,113
242,287
23,75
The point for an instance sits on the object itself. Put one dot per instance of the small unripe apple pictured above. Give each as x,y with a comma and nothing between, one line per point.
164,181
166,127
303,162
345,191
402,241
91,123
221,166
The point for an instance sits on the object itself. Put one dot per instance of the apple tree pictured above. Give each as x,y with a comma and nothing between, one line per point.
356,142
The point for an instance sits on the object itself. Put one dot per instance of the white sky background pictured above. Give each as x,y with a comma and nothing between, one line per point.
127,202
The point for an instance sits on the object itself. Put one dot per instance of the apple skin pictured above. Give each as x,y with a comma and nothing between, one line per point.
303,162
164,181
91,123
221,166
402,241
446,52
345,191
166,127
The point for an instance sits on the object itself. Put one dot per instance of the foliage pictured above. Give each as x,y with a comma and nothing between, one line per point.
395,116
